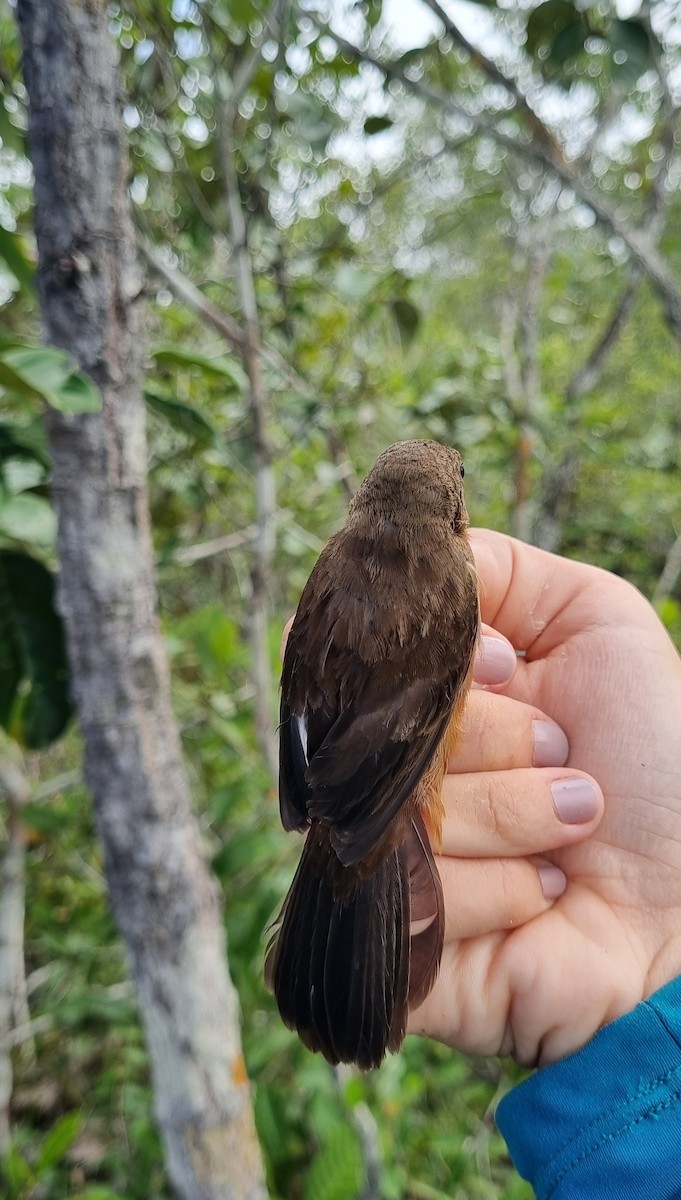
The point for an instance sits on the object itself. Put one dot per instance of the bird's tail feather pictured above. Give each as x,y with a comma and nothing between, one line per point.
342,965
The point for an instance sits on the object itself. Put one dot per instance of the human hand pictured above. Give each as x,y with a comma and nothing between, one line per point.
599,662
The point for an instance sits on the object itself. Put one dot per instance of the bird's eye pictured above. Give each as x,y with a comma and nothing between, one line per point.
462,471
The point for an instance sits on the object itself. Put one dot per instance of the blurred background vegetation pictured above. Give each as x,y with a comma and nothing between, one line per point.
469,233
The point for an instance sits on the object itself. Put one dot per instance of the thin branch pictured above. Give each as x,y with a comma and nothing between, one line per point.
494,72
368,1134
587,374
546,151
272,26
658,199
187,555
189,294
224,324
670,572
561,481
16,789
508,329
27,1031
58,783
258,401
520,317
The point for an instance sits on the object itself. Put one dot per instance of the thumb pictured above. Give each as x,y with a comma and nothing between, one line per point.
536,599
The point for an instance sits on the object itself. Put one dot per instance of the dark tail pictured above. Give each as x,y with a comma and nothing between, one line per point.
342,965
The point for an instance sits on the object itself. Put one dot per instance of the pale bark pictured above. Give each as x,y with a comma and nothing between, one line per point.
263,547
164,899
14,787
670,573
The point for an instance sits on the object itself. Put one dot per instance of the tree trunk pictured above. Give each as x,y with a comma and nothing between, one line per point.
164,899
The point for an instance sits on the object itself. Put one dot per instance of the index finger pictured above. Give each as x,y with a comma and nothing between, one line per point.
538,600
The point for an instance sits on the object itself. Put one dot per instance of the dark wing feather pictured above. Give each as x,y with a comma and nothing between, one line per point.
294,792
375,695
361,777
427,903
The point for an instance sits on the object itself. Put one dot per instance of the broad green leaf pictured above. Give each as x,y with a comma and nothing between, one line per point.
568,43
631,49
224,367
34,696
77,394
58,1141
23,441
21,474
547,21
11,250
28,518
182,416
46,373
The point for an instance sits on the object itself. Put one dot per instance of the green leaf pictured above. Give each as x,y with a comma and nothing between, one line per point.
223,367
58,1141
100,1193
408,318
77,394
34,695
336,1172
23,441
28,518
16,1172
11,250
374,125
631,49
42,818
547,21
46,373
11,655
184,417
567,44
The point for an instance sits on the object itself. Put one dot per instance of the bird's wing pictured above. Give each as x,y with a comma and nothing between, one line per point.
363,708
372,759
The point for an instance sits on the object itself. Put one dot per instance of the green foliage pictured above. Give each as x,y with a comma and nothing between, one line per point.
13,254
43,373
336,1172
34,698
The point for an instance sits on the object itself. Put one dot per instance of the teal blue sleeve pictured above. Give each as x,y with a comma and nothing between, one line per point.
605,1123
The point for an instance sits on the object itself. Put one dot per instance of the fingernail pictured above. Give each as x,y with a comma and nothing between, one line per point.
550,744
495,661
575,800
553,881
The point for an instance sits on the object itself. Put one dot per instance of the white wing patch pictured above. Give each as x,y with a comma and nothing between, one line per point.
302,734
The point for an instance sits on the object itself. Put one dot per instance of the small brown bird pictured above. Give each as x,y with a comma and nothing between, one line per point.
376,672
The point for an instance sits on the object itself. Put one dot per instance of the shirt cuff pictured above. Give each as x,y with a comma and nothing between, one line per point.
605,1123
